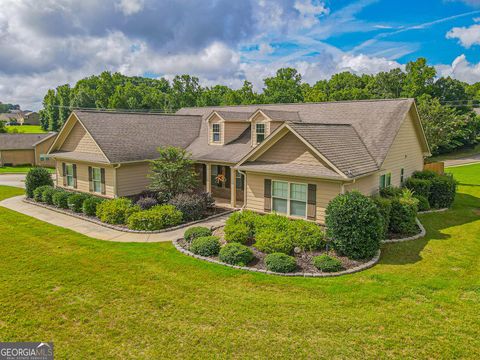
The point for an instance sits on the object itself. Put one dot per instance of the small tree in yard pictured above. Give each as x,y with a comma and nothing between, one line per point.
172,173
35,178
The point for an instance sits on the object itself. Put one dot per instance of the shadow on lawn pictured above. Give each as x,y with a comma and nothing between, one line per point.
463,212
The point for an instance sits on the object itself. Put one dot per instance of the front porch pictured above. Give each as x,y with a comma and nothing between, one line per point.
224,183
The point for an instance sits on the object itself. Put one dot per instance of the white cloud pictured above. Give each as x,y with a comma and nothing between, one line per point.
461,69
310,11
130,7
467,36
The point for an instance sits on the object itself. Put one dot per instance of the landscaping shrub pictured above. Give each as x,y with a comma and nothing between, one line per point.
354,225
38,192
195,232
384,206
390,192
425,174
90,204
146,203
420,187
245,217
75,202
157,218
442,191
403,215
423,204
306,235
47,195
60,198
327,263
35,178
116,211
236,254
238,233
205,246
279,262
272,234
193,206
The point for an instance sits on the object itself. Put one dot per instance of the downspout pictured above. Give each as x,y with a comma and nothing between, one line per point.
115,167
244,189
346,184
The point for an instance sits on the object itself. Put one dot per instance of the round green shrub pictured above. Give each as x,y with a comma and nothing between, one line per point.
35,178
205,246
193,206
47,195
420,187
354,225
272,234
75,202
390,192
156,218
327,263
279,262
423,204
403,215
237,232
195,232
90,204
425,174
384,206
306,235
116,211
245,217
236,254
60,198
38,192
442,192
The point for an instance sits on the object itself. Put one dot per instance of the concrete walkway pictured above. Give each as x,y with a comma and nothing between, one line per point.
94,230
472,159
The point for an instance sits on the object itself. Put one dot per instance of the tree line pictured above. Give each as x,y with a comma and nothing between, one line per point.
445,104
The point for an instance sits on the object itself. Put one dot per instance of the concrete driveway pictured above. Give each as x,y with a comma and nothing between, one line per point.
16,180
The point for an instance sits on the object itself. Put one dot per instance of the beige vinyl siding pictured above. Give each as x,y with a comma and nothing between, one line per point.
270,126
17,157
222,131
232,130
42,149
132,179
326,191
79,140
82,178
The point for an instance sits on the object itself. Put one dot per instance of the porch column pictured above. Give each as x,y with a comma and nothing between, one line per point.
208,188
233,187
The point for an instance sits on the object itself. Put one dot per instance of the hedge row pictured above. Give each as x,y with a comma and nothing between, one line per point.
438,190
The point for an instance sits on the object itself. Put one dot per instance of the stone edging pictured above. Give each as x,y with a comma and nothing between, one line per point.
362,267
421,234
432,211
119,228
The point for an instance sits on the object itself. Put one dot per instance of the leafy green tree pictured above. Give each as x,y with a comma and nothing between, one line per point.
63,100
285,87
3,129
172,173
186,91
50,104
386,85
450,90
419,78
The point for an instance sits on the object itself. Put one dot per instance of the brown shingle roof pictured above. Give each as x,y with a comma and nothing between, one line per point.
20,141
234,115
125,137
81,156
278,115
290,169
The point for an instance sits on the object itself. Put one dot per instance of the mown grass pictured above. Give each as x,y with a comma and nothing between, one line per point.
99,299
25,129
19,169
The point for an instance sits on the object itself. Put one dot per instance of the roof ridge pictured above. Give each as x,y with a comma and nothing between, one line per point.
132,112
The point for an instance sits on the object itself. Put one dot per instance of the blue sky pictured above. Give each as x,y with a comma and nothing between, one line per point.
47,43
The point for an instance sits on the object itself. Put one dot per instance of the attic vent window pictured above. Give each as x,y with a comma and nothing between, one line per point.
260,130
216,132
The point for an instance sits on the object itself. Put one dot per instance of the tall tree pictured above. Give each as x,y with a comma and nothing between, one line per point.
50,105
419,78
284,87
63,100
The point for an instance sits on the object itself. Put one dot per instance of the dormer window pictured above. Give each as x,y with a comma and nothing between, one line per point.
260,131
215,132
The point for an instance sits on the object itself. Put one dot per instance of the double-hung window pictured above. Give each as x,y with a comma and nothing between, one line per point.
260,131
402,175
385,180
215,132
69,175
289,198
97,180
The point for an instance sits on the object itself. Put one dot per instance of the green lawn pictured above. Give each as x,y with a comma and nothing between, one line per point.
27,129
19,169
99,299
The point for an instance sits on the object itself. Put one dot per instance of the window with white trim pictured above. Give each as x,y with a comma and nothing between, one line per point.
69,175
97,180
385,180
289,198
44,157
260,131
215,132
402,175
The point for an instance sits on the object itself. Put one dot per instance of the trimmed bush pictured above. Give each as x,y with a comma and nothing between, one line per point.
90,204
384,206
193,206
116,211
245,217
272,234
236,254
327,263
47,195
279,262
60,199
146,203
420,187
195,232
38,192
75,202
205,246
390,192
306,235
442,192
354,225
238,233
35,178
403,215
423,204
425,174
157,218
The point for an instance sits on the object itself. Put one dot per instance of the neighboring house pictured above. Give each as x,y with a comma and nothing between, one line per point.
21,117
26,149
288,158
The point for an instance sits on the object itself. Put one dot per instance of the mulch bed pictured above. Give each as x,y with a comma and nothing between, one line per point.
394,236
